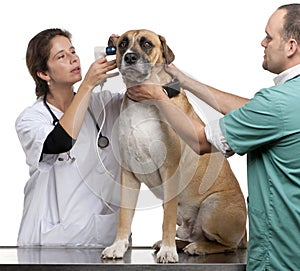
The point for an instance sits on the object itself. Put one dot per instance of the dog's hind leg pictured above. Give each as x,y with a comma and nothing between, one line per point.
223,224
207,247
181,244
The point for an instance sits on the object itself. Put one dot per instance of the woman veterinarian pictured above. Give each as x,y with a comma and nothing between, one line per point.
70,197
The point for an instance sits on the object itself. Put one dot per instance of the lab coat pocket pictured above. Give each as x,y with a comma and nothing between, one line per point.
258,236
106,228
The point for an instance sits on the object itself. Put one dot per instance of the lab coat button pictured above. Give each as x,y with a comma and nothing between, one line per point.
60,159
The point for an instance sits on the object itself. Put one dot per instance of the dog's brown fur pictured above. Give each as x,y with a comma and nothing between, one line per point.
201,190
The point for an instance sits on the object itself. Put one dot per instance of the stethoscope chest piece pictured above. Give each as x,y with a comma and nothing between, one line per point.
103,141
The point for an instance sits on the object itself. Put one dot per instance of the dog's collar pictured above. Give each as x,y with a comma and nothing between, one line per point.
172,89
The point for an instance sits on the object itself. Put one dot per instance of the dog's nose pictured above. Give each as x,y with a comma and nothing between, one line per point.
131,58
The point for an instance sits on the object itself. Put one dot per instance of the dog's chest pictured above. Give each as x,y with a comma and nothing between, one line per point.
141,138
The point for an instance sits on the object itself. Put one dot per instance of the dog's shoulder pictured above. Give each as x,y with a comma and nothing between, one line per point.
182,101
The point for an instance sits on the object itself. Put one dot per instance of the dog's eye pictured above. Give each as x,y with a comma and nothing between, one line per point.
147,45
123,44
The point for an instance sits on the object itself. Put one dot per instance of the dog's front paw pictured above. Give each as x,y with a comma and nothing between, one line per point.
167,255
116,250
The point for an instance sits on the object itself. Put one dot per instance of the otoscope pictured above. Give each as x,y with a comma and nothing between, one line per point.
101,51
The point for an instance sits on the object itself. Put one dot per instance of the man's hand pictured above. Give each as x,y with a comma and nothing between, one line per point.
149,89
146,92
175,72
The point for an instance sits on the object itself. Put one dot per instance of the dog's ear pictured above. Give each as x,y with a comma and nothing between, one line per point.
168,53
112,41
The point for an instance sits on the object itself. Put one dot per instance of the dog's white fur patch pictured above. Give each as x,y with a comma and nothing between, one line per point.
140,138
116,250
167,254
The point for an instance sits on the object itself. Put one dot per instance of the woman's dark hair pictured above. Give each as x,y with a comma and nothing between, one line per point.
291,27
37,55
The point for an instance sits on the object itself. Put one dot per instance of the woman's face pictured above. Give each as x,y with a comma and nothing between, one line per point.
63,63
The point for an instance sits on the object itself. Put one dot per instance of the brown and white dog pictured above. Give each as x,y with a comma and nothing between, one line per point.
200,193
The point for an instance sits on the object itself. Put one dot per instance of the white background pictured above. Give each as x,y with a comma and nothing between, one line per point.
217,42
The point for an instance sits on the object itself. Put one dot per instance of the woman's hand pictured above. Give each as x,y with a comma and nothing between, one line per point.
97,72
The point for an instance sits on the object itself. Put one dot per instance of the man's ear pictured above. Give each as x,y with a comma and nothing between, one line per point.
113,39
167,52
292,47
43,75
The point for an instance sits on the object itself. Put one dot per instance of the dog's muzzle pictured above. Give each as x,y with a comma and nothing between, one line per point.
134,68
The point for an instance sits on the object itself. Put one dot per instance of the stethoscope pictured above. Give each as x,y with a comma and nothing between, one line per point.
103,141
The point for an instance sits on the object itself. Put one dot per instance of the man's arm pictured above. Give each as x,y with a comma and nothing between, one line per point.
190,130
221,101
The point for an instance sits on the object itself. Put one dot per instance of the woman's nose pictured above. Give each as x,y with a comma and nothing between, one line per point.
74,58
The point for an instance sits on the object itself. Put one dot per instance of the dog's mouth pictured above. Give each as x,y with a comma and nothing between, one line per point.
138,72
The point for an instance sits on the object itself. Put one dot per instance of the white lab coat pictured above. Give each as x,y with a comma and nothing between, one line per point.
70,199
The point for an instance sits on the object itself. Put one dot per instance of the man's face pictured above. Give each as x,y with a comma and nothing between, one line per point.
275,58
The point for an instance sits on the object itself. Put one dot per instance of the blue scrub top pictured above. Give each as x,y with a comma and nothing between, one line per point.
267,128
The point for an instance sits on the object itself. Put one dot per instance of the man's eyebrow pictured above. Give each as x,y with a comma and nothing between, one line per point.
267,33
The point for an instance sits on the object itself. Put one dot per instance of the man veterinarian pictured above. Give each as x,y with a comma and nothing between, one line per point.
267,128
